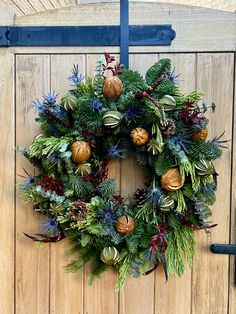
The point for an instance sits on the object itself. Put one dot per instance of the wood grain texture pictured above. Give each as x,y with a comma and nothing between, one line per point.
197,29
64,286
138,294
178,290
232,273
210,272
101,297
8,15
32,264
7,182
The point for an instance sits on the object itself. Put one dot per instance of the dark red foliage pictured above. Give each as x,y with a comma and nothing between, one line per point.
192,226
45,238
118,198
116,69
190,114
158,240
49,183
66,124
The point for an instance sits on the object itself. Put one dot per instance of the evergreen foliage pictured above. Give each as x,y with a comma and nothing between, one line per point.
84,131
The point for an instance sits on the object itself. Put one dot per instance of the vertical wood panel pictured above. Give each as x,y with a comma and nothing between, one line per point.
178,290
232,273
32,264
66,288
100,297
138,294
210,272
7,182
149,294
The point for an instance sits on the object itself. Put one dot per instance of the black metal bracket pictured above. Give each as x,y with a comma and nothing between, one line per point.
225,249
123,35
50,36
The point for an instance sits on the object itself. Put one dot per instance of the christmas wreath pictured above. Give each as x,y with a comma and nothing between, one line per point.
117,115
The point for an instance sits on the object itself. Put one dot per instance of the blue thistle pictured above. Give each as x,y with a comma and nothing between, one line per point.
114,152
108,216
96,105
131,114
50,98
154,196
50,225
38,105
134,272
174,77
28,183
54,158
59,112
75,76
180,141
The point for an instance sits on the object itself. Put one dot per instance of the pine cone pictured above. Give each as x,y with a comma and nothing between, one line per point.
78,211
140,196
168,129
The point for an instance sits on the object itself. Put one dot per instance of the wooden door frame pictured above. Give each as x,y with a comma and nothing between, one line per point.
215,31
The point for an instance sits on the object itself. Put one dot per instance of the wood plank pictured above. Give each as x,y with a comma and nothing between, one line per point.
66,290
197,29
24,6
137,295
210,272
232,273
177,289
37,5
7,13
7,182
100,297
32,264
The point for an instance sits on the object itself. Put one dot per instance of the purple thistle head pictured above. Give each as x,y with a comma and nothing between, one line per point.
75,76
50,98
131,114
50,225
114,152
96,105
174,77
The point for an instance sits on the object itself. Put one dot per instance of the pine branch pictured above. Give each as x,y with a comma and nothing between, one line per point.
55,118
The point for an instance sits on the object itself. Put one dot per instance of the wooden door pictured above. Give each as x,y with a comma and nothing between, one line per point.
33,280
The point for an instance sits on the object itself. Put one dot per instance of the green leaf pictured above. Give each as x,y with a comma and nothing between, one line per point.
160,68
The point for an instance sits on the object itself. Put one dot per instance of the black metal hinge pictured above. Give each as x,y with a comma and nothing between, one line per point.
40,36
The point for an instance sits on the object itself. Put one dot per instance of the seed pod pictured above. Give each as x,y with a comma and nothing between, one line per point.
112,87
166,203
167,102
109,255
112,119
204,167
69,101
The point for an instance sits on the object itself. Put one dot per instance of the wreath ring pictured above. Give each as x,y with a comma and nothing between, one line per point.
120,114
